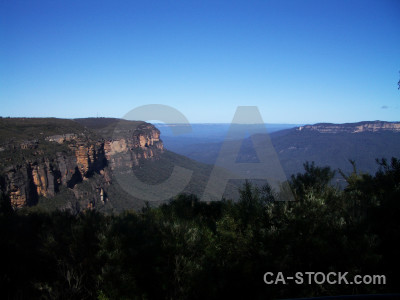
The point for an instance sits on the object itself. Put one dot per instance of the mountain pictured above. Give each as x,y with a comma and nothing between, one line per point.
324,143
335,144
84,163
360,127
112,164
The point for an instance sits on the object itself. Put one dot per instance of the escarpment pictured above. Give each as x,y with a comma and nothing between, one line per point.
40,164
142,143
375,126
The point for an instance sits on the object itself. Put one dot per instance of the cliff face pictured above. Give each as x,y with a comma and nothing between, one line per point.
27,181
41,170
143,143
377,126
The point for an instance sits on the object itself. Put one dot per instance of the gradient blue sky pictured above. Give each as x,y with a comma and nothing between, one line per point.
298,61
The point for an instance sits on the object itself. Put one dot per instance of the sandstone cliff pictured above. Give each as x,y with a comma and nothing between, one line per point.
143,143
376,126
43,164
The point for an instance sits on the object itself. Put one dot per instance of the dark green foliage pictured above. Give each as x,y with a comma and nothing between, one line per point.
44,150
20,129
398,83
314,179
5,205
110,127
188,249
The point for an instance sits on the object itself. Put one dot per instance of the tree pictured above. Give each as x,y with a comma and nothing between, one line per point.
398,83
5,205
315,178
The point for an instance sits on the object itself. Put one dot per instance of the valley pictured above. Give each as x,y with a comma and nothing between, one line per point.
111,164
326,144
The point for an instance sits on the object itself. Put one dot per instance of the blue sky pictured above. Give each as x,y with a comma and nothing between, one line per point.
297,61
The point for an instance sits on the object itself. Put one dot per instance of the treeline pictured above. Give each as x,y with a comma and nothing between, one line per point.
188,249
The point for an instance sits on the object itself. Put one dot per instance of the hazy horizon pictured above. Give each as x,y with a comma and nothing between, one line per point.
202,123
198,123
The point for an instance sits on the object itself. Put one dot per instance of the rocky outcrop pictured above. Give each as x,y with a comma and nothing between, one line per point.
89,157
142,143
19,186
376,126
44,173
42,177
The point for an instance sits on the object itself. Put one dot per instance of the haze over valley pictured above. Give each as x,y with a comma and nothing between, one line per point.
326,144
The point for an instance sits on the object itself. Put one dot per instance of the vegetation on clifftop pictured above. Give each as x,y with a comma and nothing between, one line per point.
21,129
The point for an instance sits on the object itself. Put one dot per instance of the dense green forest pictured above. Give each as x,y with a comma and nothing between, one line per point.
187,249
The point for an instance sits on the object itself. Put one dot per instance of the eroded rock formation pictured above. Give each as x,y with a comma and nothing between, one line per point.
43,174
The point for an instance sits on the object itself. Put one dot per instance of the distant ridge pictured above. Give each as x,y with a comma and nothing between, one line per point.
365,126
